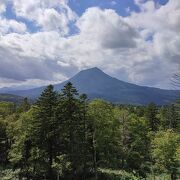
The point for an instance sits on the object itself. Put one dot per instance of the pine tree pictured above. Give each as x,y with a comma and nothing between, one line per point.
3,143
68,109
24,106
86,137
45,128
169,117
6,112
75,140
151,115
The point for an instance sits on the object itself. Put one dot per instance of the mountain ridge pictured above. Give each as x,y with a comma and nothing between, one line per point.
97,84
10,98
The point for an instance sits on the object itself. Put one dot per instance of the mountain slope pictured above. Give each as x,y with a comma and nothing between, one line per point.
96,84
11,98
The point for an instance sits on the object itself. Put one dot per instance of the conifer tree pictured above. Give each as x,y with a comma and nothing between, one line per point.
3,143
151,113
75,143
169,117
68,114
45,128
86,137
24,106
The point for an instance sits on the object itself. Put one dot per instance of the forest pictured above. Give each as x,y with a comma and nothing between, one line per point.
66,136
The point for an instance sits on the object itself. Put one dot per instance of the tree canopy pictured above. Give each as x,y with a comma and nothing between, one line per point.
63,135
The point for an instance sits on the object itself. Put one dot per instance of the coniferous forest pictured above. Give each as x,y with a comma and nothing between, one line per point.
64,136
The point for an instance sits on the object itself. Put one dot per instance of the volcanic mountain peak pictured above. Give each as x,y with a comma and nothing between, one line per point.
97,84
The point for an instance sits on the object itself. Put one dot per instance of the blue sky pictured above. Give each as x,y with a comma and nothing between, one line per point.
122,7
48,41
79,6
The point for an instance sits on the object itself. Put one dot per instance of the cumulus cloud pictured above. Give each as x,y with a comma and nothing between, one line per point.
142,48
107,28
47,14
155,17
161,25
3,6
21,68
9,26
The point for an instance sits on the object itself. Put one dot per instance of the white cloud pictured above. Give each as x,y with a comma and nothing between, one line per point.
157,18
47,14
113,3
107,28
9,26
3,4
2,7
28,84
161,25
63,64
142,48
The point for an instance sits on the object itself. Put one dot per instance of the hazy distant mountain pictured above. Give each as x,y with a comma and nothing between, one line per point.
11,98
96,84
15,88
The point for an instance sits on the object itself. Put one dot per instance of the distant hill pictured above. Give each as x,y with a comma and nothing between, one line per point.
11,98
97,84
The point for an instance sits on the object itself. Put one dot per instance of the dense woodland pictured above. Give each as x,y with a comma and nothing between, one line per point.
65,136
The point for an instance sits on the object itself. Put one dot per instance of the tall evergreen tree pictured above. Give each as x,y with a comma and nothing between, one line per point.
45,127
68,113
75,139
86,137
151,115
3,143
24,106
169,117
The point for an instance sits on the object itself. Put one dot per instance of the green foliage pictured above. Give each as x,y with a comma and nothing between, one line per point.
61,165
159,177
9,174
107,174
170,117
10,98
105,127
3,143
151,115
24,106
165,151
6,108
75,137
64,136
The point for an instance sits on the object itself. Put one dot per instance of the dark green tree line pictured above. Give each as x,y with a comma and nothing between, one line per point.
63,135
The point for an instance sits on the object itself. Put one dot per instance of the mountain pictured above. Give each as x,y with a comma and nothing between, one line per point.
97,84
11,98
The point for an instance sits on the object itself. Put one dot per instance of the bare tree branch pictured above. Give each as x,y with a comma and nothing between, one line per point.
175,80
